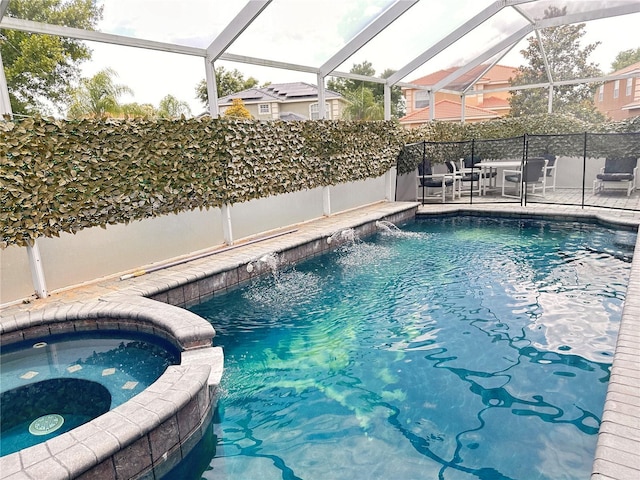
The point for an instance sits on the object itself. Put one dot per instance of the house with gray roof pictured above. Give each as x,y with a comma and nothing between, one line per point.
286,101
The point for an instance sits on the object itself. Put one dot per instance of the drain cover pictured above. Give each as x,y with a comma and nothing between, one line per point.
46,424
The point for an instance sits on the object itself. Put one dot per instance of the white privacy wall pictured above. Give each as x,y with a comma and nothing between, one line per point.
94,253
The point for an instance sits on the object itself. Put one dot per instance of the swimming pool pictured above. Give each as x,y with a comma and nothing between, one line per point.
52,385
456,348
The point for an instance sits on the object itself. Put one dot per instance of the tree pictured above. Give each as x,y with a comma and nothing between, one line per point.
97,96
345,85
227,82
362,106
237,110
41,68
138,110
567,60
171,107
625,58
350,88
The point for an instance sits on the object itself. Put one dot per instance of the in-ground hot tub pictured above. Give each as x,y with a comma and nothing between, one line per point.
109,389
57,383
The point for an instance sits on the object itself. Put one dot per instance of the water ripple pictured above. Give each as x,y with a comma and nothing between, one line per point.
427,355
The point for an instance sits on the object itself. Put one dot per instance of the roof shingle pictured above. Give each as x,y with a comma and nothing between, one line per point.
278,92
448,110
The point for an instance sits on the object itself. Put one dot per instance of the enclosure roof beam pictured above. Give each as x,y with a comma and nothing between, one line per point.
454,36
607,78
11,23
545,59
3,7
540,24
230,57
90,35
357,76
580,17
234,29
383,20
485,70
413,86
489,67
510,40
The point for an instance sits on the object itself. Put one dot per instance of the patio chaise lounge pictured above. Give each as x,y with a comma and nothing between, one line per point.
617,173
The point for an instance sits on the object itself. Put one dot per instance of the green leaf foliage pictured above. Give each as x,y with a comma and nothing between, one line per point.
566,58
63,176
40,69
556,134
625,58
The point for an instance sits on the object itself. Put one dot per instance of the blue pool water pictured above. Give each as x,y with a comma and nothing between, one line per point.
457,348
50,386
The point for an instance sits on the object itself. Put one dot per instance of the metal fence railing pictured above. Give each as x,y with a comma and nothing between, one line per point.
586,169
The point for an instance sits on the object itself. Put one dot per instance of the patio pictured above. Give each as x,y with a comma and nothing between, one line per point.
561,197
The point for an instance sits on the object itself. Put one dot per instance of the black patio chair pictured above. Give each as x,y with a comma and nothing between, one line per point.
428,180
533,175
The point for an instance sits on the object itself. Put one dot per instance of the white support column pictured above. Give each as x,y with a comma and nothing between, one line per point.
387,102
37,272
326,201
322,111
322,114
390,176
432,107
550,99
227,231
463,103
390,184
5,101
212,88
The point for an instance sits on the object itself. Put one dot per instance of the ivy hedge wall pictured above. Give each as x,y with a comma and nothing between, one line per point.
60,176
505,138
63,176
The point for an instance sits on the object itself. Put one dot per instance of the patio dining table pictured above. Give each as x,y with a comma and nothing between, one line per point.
486,169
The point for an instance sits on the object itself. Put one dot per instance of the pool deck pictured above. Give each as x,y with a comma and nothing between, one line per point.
618,450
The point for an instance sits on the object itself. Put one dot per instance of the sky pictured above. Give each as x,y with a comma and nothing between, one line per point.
306,32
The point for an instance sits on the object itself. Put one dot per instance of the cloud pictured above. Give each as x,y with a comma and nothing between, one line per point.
190,22
150,74
306,32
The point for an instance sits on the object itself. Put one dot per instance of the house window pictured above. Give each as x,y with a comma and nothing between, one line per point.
264,109
628,89
315,115
601,93
421,99
616,89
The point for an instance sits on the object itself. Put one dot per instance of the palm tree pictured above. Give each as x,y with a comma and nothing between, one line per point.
97,96
171,107
362,106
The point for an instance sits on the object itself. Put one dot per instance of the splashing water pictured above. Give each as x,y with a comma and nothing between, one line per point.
272,261
285,288
348,235
387,226
390,228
